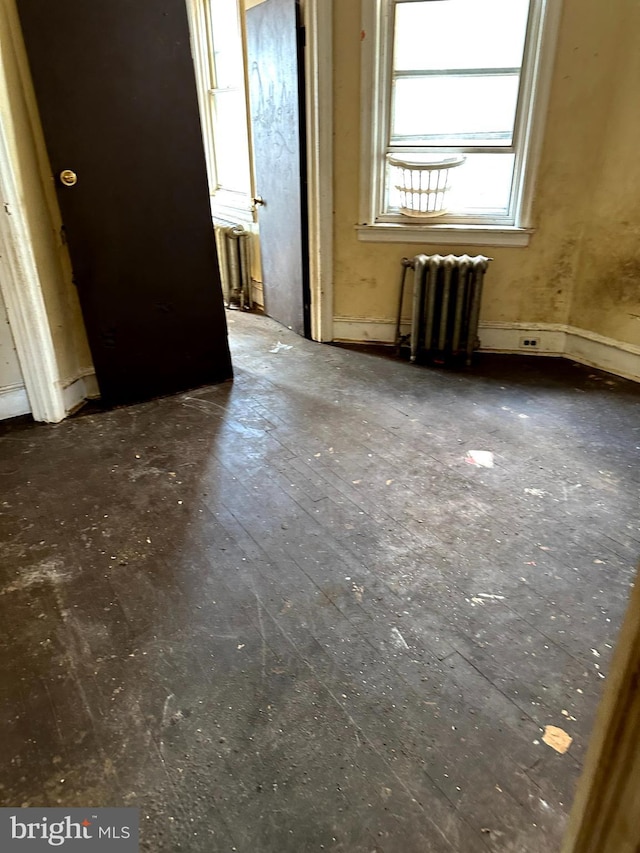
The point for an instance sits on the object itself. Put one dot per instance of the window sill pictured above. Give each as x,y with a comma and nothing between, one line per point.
445,235
236,209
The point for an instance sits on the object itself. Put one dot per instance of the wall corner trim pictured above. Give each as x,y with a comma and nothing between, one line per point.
20,281
318,15
21,290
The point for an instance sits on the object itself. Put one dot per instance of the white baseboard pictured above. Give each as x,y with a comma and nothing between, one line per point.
557,339
76,391
508,337
604,353
257,293
359,330
13,402
553,339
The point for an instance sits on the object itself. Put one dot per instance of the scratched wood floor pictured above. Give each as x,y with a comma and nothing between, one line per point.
284,614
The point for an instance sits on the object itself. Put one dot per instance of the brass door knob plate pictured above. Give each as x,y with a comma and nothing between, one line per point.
68,178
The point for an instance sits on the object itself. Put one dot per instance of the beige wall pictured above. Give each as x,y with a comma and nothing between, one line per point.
19,118
593,125
10,373
607,287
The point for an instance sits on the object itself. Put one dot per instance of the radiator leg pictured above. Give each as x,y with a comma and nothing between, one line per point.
405,266
235,284
221,245
245,270
418,299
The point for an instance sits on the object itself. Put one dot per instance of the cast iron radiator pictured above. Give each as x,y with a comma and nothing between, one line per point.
446,305
232,242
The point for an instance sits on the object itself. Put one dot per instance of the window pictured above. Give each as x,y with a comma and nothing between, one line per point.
457,81
217,41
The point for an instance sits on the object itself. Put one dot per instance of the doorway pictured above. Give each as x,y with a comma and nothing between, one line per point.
249,59
58,379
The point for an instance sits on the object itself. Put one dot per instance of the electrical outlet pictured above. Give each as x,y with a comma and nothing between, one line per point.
529,343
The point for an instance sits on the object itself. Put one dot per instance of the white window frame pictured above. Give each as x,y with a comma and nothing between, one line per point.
376,225
225,204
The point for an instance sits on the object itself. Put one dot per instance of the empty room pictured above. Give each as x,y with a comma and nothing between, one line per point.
319,426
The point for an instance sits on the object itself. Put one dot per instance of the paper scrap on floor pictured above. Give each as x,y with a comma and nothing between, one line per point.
481,458
280,347
557,739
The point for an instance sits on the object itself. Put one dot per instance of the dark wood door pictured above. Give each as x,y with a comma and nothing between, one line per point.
115,85
276,91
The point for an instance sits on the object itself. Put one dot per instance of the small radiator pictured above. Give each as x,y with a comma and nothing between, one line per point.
232,242
446,305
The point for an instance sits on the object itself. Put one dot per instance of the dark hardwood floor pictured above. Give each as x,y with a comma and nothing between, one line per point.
285,614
